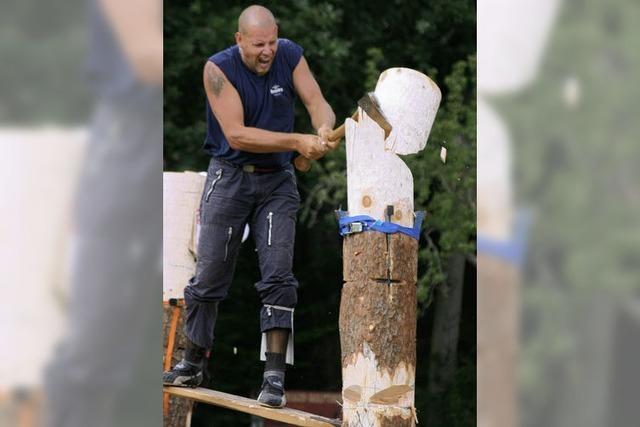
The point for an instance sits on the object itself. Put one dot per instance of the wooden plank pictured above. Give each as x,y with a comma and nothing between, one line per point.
250,406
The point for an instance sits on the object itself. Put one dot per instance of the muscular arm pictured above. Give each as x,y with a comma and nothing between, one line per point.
322,116
227,107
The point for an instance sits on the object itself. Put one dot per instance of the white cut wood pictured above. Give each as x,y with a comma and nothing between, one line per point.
443,154
409,101
376,177
512,37
494,175
39,170
181,193
373,394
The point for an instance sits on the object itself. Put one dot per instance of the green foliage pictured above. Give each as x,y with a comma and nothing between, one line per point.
42,48
447,190
576,162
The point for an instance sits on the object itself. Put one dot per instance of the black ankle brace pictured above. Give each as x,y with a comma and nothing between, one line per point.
275,362
194,354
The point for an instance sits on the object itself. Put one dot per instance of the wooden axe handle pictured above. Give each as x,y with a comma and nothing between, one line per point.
333,139
336,135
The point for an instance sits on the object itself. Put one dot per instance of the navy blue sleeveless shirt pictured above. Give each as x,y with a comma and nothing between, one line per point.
268,103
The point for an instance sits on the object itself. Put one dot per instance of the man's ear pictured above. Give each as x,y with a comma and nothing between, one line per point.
238,37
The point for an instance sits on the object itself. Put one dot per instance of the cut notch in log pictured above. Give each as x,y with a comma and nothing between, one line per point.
250,406
363,252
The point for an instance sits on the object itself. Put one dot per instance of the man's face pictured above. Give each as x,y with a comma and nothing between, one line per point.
258,48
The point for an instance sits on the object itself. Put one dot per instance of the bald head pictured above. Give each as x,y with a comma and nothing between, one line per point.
256,16
257,38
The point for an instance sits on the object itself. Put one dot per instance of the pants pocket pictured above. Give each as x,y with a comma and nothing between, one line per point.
269,227
212,186
226,246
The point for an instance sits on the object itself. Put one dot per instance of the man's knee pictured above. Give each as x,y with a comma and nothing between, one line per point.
288,296
282,295
277,310
199,292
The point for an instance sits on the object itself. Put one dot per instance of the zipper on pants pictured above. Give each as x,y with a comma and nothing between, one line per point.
213,184
270,218
226,246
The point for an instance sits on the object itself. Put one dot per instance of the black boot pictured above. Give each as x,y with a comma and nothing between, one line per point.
272,391
189,371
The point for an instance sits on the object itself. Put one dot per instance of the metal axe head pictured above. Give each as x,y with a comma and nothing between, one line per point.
369,103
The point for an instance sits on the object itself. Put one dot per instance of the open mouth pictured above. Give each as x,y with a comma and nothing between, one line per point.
263,61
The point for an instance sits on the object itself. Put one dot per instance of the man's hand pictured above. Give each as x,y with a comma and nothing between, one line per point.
311,146
323,132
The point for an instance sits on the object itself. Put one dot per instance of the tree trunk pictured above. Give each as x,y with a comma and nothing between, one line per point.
444,339
497,337
378,330
378,306
176,410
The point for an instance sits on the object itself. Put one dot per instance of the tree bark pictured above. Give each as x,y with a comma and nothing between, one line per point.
497,337
176,410
378,306
378,330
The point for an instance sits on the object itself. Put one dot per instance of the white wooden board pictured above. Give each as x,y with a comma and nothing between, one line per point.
181,199
38,177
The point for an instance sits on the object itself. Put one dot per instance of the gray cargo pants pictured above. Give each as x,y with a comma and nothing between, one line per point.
231,198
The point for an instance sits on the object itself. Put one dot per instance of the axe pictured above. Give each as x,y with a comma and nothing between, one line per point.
369,104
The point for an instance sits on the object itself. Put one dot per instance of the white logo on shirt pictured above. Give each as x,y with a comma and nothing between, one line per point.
276,90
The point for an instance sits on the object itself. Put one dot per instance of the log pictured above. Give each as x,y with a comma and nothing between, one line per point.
376,176
250,406
378,305
378,332
497,337
175,410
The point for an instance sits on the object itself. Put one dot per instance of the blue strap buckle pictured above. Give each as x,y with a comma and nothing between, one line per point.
354,227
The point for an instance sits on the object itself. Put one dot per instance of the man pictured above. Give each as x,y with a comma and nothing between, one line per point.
250,113
99,374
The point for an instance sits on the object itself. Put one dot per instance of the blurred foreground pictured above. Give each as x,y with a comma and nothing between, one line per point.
559,292
81,143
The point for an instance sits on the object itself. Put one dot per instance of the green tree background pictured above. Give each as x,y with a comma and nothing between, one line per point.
347,44
42,80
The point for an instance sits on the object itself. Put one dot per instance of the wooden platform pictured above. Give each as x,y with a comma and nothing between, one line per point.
250,406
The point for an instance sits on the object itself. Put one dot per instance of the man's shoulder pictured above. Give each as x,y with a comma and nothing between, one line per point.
288,44
290,51
224,56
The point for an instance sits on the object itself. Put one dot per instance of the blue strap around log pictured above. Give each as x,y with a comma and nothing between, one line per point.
514,249
359,223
